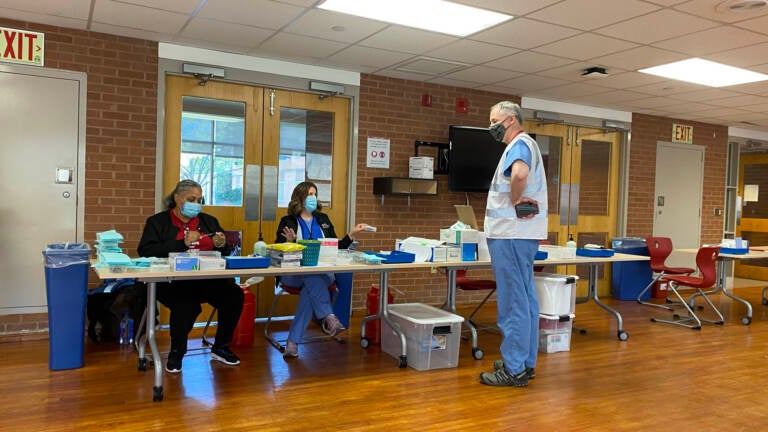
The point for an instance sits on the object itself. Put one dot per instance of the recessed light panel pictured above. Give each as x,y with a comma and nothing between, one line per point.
431,15
705,72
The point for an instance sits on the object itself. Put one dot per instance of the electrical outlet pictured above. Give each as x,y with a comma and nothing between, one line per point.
433,270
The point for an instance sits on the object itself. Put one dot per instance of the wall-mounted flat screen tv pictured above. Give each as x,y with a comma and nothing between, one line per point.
472,159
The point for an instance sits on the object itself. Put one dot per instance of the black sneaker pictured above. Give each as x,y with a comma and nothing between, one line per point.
224,355
499,364
503,378
173,364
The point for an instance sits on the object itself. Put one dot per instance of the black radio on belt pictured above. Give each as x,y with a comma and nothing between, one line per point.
525,209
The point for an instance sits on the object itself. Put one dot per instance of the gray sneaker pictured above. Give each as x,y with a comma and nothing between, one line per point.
499,364
332,325
291,350
503,378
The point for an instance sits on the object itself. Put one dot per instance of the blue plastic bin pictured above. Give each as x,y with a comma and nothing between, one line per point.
66,285
629,278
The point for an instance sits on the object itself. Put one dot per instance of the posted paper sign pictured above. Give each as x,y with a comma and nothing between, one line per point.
378,153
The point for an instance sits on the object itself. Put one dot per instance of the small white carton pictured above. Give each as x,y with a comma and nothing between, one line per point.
421,167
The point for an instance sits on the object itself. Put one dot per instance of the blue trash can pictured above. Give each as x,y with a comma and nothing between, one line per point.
66,286
629,278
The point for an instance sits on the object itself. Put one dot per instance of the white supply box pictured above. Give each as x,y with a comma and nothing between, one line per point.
421,167
556,292
432,336
555,333
448,235
558,252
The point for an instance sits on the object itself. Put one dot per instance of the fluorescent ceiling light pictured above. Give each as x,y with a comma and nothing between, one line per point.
433,15
705,72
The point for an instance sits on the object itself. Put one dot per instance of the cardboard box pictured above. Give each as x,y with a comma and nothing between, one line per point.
448,235
432,336
182,261
421,167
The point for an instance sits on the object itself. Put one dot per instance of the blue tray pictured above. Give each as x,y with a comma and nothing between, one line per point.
734,251
594,252
541,255
246,262
396,257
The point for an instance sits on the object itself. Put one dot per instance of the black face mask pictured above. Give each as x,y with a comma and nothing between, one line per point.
498,131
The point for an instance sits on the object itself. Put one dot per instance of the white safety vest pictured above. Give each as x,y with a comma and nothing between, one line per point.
501,221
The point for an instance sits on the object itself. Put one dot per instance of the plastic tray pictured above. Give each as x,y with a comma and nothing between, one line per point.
541,255
397,257
241,262
594,252
734,251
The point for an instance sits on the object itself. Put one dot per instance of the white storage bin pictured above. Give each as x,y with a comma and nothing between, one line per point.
432,335
556,292
555,333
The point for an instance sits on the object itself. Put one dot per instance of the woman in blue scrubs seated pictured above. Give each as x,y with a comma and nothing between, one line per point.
305,221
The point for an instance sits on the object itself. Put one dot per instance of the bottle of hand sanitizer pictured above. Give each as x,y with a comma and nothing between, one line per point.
260,247
570,243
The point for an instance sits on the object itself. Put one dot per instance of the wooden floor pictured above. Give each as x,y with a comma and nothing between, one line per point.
662,379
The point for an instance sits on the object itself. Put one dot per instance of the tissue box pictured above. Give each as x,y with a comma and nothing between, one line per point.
448,235
182,261
452,253
211,263
421,167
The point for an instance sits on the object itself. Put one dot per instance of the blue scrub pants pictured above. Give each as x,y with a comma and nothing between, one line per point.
314,299
516,301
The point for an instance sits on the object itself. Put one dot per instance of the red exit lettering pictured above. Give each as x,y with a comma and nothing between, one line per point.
683,133
23,43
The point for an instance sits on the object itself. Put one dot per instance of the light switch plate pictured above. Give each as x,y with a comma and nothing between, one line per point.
64,175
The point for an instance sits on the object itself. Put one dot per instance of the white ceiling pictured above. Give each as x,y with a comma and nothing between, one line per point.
540,53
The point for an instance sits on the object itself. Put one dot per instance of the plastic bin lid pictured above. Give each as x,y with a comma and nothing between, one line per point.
555,276
67,248
423,314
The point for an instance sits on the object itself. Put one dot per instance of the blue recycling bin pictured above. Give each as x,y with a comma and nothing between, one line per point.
631,277
66,286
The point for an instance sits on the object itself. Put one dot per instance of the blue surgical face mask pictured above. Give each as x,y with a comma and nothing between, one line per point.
310,203
190,209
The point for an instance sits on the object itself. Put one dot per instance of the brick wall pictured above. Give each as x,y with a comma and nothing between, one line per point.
391,108
121,124
646,132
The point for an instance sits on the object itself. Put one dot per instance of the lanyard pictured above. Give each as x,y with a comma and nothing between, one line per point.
306,229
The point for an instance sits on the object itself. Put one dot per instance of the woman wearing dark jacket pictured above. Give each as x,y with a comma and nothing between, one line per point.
305,221
177,229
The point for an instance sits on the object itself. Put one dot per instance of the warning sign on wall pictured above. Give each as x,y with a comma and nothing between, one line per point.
21,46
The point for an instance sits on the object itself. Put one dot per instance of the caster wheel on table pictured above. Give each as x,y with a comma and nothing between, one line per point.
765,302
403,362
157,394
477,353
142,364
624,335
365,342
746,320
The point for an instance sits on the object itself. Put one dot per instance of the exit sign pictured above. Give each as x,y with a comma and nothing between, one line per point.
21,46
682,133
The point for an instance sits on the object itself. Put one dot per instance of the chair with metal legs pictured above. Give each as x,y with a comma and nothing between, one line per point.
706,261
282,290
659,249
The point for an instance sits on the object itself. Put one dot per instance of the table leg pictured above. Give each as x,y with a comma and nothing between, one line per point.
722,285
622,335
157,390
765,299
383,314
450,306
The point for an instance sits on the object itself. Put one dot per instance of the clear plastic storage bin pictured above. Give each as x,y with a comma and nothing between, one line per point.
557,293
432,335
555,333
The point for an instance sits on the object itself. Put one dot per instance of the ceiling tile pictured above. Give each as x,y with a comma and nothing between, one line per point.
371,57
529,62
502,89
470,51
669,87
761,107
483,75
627,80
512,7
712,41
454,82
585,46
78,9
302,46
717,10
749,117
532,82
257,13
574,71
737,101
665,24
758,88
430,66
759,25
404,75
592,14
418,41
573,90
638,58
524,34
653,102
321,23
128,32
75,23
705,95
138,17
182,6
616,96
236,35
742,57
689,107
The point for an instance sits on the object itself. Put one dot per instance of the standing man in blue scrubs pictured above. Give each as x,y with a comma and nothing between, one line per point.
515,221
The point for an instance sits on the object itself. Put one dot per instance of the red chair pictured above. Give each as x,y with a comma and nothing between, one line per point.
467,284
659,249
281,290
706,261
